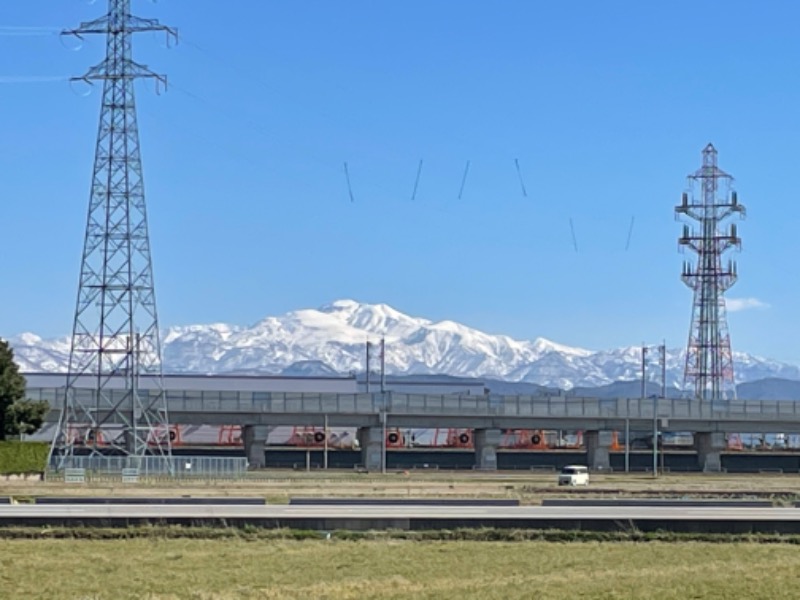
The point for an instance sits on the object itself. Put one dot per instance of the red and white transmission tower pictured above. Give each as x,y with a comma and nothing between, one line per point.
709,362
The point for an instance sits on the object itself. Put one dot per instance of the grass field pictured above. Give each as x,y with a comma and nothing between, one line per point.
225,564
228,569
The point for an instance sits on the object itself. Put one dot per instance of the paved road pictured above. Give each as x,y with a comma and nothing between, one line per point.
82,512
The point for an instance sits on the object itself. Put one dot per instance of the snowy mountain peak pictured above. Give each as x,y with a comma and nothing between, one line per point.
543,346
26,339
343,308
223,330
332,339
377,319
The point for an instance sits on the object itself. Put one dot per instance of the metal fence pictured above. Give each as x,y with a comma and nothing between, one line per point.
149,466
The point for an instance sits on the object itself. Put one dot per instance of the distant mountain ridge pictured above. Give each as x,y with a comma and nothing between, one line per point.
331,340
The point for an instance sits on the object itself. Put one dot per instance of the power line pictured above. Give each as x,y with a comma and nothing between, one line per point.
10,79
313,108
630,233
416,181
255,126
463,181
15,31
349,185
521,181
572,231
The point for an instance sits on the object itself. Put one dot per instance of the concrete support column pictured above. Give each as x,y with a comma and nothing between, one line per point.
598,448
371,442
486,443
709,446
254,438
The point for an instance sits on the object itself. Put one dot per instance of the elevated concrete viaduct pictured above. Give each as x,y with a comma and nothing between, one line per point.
488,415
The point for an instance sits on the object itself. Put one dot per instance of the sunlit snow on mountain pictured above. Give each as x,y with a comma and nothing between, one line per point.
331,339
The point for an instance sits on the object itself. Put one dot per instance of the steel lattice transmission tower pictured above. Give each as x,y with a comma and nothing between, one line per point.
115,339
709,362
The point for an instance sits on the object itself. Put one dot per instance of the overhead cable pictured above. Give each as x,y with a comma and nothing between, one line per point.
521,181
349,185
630,233
416,181
463,181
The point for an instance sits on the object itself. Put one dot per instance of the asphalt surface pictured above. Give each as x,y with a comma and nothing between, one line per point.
81,512
649,502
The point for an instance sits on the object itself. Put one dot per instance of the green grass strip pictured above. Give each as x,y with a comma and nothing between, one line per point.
471,535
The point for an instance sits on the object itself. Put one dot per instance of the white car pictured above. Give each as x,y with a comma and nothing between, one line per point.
574,475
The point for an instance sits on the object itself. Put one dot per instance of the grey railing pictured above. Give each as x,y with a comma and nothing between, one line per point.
492,405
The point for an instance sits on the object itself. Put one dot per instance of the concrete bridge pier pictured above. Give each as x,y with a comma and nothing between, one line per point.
598,449
709,446
486,442
370,440
254,438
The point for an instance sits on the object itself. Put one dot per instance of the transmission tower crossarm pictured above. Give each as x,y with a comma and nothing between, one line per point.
130,70
113,24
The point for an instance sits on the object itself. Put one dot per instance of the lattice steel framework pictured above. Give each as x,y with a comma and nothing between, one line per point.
709,362
115,340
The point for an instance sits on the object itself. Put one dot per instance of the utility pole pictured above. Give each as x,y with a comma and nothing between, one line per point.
627,438
368,364
663,358
383,365
655,437
325,452
384,420
383,402
115,335
645,349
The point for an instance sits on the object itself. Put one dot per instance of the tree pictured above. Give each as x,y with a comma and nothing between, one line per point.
17,414
25,417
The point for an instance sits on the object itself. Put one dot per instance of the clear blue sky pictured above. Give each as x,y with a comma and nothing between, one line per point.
606,105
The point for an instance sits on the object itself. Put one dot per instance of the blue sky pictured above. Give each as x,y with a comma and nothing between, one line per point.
606,106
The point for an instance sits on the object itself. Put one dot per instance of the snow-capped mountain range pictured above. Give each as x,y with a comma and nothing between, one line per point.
332,339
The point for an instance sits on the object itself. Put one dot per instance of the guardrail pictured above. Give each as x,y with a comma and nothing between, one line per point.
438,405
493,405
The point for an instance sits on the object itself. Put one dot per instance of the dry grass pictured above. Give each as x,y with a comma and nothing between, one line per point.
228,569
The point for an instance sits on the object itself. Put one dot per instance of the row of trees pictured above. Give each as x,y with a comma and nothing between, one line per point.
18,415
